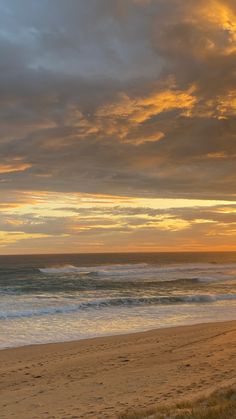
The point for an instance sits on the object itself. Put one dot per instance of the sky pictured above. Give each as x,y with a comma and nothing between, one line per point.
117,126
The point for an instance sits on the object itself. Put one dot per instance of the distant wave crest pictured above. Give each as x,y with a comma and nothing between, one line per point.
205,272
135,267
67,269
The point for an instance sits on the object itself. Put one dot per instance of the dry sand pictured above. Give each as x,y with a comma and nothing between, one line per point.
99,378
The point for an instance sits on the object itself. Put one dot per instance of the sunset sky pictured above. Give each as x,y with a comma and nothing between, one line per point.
117,125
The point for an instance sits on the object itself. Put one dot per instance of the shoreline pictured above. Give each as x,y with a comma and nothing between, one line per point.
92,338
101,377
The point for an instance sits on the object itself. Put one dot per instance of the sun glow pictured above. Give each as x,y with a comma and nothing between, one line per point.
84,219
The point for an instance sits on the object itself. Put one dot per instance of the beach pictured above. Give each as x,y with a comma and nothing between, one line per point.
103,377
118,209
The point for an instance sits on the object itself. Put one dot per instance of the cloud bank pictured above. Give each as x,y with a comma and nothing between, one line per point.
126,98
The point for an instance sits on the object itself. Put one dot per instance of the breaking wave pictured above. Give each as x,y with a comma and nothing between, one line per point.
63,270
107,269
122,301
135,267
204,272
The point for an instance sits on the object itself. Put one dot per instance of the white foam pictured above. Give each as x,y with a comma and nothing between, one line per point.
204,272
60,270
118,302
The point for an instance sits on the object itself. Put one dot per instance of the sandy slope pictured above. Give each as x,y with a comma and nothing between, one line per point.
99,378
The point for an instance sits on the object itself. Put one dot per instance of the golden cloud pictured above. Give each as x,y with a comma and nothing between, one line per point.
7,238
15,167
139,110
124,115
219,13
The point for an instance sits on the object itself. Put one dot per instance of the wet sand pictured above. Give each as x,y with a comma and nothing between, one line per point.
102,377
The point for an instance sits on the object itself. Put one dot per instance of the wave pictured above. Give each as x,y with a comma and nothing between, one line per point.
109,269
63,270
122,301
90,283
136,268
200,272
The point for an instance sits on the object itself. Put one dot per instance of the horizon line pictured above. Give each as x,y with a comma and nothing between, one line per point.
118,253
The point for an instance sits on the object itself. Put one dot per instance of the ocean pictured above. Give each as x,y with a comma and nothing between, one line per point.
56,298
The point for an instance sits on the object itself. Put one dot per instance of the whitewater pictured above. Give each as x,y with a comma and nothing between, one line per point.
58,298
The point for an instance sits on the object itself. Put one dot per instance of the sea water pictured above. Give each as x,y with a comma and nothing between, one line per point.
57,298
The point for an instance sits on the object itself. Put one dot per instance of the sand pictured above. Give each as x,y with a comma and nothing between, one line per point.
99,378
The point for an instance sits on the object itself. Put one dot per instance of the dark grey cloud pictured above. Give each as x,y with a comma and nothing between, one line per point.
129,98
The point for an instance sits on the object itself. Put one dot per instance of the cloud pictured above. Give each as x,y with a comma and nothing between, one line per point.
105,223
147,116
118,98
